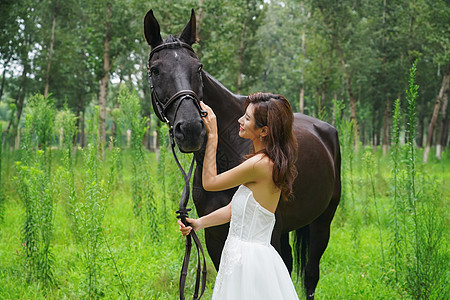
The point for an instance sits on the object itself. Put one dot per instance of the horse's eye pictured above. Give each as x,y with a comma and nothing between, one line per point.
200,68
154,71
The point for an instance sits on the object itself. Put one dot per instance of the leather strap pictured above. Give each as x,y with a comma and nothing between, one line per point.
183,214
160,110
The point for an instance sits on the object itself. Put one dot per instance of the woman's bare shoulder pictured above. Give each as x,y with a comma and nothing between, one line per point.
261,162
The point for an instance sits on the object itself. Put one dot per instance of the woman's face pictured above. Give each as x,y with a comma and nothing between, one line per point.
247,128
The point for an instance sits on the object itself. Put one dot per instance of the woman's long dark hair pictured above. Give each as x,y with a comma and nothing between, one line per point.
275,112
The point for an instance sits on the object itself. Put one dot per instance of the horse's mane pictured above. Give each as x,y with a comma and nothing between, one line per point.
171,39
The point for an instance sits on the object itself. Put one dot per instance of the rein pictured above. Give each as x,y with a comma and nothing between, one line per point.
182,212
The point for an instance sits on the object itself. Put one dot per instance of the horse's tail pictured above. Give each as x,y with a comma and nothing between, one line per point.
301,247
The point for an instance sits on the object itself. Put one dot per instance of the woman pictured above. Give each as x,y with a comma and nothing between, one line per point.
250,268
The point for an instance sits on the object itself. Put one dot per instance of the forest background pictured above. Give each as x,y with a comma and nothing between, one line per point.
312,52
96,221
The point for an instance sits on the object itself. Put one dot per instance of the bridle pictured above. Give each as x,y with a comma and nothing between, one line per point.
160,109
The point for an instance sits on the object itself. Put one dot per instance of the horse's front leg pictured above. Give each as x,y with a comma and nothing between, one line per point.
215,240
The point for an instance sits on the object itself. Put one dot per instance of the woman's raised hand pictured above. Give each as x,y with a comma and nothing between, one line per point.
209,120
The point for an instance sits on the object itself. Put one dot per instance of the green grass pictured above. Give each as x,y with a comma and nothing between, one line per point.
351,268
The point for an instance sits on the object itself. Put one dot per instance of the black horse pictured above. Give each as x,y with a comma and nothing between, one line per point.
178,82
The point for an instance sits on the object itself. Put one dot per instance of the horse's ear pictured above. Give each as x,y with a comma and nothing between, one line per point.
151,30
189,34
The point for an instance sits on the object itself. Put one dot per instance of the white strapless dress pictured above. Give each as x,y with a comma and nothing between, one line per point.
250,268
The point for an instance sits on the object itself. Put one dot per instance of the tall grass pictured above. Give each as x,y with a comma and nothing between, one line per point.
33,182
90,211
409,218
65,175
417,243
66,121
346,129
2,193
395,156
142,183
370,168
89,215
380,247
116,114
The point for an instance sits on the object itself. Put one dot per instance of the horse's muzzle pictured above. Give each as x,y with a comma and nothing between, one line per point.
189,135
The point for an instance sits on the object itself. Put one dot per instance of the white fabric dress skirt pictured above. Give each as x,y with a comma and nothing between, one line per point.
250,268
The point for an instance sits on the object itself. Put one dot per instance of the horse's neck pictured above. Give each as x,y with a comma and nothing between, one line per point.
228,108
220,98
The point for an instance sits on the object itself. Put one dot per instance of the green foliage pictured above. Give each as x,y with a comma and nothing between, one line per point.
89,214
129,258
41,116
85,208
35,188
390,228
417,245
142,183
275,46
132,120
36,194
369,165
346,131
65,121
2,193
396,184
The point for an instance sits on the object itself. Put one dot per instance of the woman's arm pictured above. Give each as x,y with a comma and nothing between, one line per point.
209,168
217,217
251,170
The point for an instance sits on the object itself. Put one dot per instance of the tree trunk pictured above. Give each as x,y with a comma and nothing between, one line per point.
104,84
82,131
347,81
348,84
50,52
442,91
3,76
443,132
116,105
386,118
420,130
15,119
241,60
302,79
78,122
323,94
3,83
301,101
386,136
200,16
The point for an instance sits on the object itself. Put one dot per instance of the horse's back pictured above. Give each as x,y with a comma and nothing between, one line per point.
318,167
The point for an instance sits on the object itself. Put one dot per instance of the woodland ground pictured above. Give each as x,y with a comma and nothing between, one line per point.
137,262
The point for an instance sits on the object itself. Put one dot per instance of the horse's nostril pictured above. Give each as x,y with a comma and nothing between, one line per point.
179,130
189,134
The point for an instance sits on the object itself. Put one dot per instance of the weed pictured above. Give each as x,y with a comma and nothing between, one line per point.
2,193
141,181
89,216
35,188
395,155
370,167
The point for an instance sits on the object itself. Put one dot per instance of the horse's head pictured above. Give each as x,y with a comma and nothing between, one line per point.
175,75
